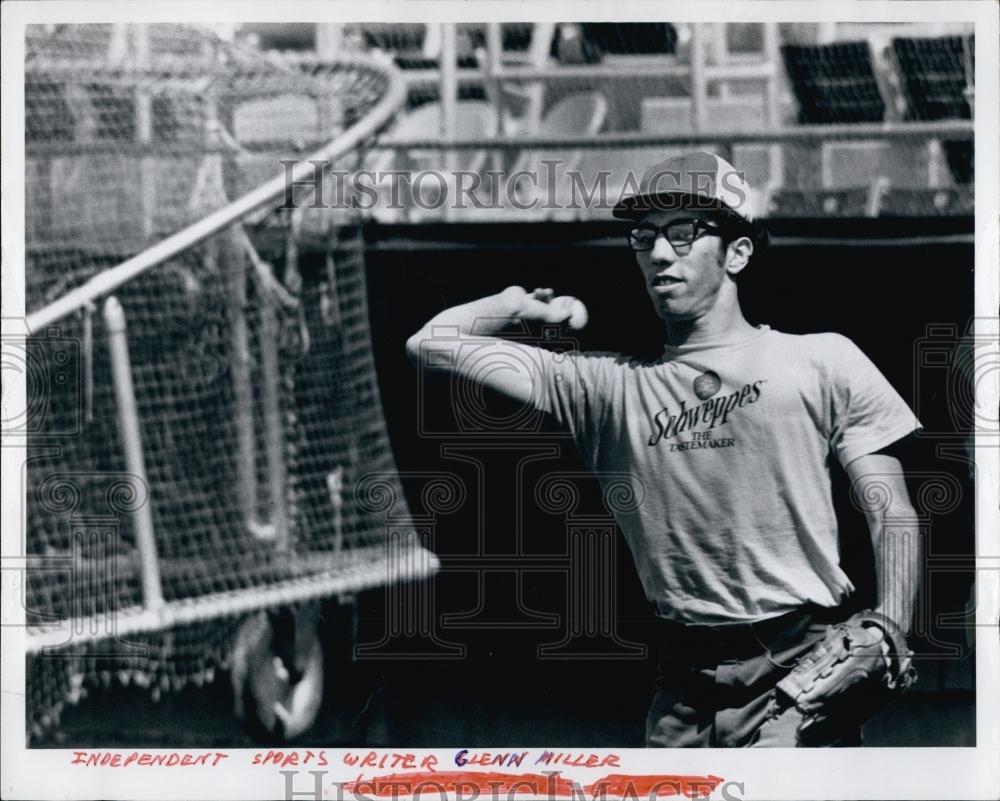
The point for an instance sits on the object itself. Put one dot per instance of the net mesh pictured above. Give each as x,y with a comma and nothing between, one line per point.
255,387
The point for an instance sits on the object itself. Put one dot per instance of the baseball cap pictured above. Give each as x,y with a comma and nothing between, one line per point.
694,180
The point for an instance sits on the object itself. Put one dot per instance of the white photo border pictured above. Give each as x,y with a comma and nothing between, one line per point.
907,773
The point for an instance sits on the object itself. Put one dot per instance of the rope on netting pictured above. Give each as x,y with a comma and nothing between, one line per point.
264,273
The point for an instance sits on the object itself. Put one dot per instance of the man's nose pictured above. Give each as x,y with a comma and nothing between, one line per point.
663,251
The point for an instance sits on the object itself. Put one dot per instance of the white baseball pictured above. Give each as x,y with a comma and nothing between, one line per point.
578,315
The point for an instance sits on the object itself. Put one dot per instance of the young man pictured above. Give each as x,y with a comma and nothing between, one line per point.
728,438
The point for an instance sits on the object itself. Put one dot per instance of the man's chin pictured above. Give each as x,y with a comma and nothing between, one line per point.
672,314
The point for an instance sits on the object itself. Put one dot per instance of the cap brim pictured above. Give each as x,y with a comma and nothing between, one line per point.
635,206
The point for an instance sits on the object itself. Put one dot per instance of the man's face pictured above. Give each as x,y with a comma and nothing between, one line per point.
683,285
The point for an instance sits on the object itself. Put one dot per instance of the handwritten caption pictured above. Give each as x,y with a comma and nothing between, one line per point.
380,760
465,772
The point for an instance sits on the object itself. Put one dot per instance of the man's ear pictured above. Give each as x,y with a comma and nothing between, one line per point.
738,255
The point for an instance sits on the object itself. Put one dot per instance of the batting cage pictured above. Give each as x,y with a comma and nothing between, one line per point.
211,443
239,488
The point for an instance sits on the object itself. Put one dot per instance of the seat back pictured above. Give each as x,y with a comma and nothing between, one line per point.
901,201
814,203
834,82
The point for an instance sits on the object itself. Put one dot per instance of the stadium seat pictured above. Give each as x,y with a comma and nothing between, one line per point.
49,118
676,115
845,164
617,163
961,160
764,168
856,202
834,83
632,38
417,46
932,74
473,120
609,168
576,115
923,202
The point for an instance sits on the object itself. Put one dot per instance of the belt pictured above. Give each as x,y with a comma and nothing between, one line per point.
703,644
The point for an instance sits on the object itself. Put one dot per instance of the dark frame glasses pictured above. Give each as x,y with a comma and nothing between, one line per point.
681,234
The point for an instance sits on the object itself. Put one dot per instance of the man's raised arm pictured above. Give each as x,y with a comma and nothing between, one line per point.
463,340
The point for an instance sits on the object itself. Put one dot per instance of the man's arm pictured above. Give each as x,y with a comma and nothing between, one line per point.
878,484
505,366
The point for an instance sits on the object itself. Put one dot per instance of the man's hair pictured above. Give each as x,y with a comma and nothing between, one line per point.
733,227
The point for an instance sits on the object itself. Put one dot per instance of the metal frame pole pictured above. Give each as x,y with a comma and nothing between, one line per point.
128,424
772,56
144,136
699,85
274,442
449,103
494,65
234,268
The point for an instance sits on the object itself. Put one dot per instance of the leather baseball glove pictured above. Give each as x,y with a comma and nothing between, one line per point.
858,667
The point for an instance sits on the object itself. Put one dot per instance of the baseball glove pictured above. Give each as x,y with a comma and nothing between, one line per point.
858,667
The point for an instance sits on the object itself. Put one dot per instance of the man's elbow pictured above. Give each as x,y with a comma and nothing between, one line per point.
413,348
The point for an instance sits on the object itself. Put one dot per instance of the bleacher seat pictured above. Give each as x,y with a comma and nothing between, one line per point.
961,160
473,120
834,83
764,168
668,115
394,37
849,163
757,161
856,202
618,163
933,77
631,38
674,115
49,118
923,202
581,114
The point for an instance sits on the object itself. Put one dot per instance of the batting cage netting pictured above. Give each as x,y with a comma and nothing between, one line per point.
205,434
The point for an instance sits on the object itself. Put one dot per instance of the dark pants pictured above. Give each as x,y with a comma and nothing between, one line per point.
715,687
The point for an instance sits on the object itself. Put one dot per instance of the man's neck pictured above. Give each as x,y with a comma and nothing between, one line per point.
709,328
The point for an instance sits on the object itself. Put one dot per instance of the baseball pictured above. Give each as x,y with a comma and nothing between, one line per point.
578,315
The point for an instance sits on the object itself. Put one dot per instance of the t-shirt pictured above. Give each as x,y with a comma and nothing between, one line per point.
728,449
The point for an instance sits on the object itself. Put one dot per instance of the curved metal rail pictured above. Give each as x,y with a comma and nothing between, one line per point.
197,232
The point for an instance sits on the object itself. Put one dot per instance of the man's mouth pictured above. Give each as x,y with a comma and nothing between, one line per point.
664,281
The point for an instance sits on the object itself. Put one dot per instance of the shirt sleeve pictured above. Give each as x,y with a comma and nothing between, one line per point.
867,413
575,393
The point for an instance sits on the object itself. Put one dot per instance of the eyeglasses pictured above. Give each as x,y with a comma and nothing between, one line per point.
681,234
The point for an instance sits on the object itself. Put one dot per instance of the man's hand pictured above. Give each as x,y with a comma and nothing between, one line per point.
467,340
543,306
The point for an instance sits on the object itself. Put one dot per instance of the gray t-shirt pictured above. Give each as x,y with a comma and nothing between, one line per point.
728,446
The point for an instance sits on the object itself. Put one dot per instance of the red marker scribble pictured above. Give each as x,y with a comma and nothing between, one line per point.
621,785
397,784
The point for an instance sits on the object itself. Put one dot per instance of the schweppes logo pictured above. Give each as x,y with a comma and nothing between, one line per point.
668,423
